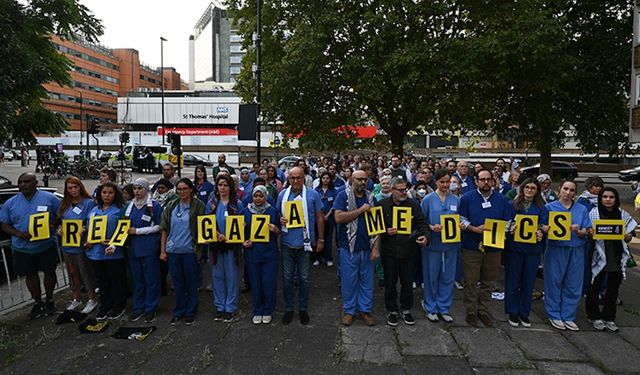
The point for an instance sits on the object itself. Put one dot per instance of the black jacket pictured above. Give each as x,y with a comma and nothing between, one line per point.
402,245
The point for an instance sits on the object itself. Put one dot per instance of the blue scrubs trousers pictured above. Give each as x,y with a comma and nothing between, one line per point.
357,282
563,278
226,282
439,272
184,273
264,283
146,282
520,279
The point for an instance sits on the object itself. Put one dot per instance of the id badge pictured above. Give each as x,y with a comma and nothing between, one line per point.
486,205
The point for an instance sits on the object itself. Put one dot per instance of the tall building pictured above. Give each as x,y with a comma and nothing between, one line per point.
98,76
215,48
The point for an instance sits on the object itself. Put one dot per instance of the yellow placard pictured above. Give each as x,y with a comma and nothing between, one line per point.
608,229
494,233
559,226
374,221
235,229
71,233
121,233
402,219
39,226
260,228
207,232
294,214
526,228
97,232
451,232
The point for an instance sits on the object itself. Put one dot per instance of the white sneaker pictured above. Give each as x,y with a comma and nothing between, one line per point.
266,319
414,285
558,324
88,308
446,318
432,317
611,326
329,263
73,304
316,263
599,324
257,319
571,326
458,285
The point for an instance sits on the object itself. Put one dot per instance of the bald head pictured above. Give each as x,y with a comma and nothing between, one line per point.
27,183
296,178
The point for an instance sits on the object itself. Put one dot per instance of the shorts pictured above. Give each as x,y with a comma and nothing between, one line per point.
27,264
83,265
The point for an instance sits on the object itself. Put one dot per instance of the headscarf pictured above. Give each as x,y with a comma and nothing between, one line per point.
543,177
143,183
255,209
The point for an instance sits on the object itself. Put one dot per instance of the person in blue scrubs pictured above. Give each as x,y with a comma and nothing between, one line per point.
261,258
225,257
467,182
521,259
356,256
439,259
564,262
204,188
75,205
327,194
144,251
108,260
180,249
29,257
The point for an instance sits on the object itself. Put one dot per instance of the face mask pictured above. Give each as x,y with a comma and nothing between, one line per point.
386,195
422,193
453,186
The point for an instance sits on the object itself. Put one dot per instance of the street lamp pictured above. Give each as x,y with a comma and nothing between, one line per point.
258,44
81,117
162,81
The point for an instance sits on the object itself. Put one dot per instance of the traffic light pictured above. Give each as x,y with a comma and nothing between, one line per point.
124,138
169,138
176,145
92,125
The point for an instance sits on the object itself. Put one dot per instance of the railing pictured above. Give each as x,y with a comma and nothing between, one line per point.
13,290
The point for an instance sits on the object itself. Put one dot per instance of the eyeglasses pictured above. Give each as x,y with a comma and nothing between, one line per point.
401,190
485,179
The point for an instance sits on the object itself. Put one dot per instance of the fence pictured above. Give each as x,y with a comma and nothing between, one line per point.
13,290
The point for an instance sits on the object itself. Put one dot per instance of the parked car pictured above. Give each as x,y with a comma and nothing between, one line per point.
4,182
632,174
190,160
559,169
8,154
288,160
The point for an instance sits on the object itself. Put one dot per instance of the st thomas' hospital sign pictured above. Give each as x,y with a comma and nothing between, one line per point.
179,111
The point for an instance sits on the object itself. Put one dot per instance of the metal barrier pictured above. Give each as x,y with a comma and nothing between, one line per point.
13,290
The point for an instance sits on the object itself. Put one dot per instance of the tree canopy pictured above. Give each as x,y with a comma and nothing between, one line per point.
29,60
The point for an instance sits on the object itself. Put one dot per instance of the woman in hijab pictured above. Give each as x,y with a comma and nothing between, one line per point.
144,251
262,257
545,184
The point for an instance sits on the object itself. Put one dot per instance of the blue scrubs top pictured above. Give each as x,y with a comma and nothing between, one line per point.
530,248
96,252
327,198
261,252
147,244
497,207
204,191
433,207
362,238
180,240
579,215
79,212
295,237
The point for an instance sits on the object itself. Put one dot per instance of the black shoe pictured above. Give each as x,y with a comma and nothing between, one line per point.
175,320
514,321
287,317
189,320
245,289
115,314
392,319
36,311
408,319
49,308
218,317
135,316
229,317
102,316
150,317
304,317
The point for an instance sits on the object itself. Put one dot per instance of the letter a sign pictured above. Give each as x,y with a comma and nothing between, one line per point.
235,229
374,221
294,214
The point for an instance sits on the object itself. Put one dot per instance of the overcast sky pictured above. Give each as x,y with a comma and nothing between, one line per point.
139,24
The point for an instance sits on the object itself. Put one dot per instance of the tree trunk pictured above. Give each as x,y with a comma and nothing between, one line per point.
397,141
544,147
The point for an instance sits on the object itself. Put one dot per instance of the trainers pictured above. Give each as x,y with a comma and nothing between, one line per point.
73,304
287,317
414,285
486,320
392,319
218,317
316,263
189,320
557,324
472,320
433,318
611,326
571,326
115,314
175,320
149,317
135,316
49,308
229,317
347,320
257,319
368,319
408,319
88,308
102,316
266,319
525,322
513,321
446,318
458,285
36,311
304,318
329,263
598,324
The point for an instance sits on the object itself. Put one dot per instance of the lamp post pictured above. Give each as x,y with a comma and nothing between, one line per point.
258,42
81,117
162,81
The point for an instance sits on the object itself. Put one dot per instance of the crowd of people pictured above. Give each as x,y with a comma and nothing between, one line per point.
401,220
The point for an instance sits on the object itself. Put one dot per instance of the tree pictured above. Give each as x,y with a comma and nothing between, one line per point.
29,59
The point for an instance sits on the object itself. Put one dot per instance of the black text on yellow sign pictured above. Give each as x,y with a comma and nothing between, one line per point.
374,221
235,229
71,233
39,226
608,229
450,228
260,228
121,233
494,233
526,228
559,226
207,229
294,214
97,232
402,219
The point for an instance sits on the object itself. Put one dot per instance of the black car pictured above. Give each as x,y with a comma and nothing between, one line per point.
632,174
559,169
190,160
4,182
